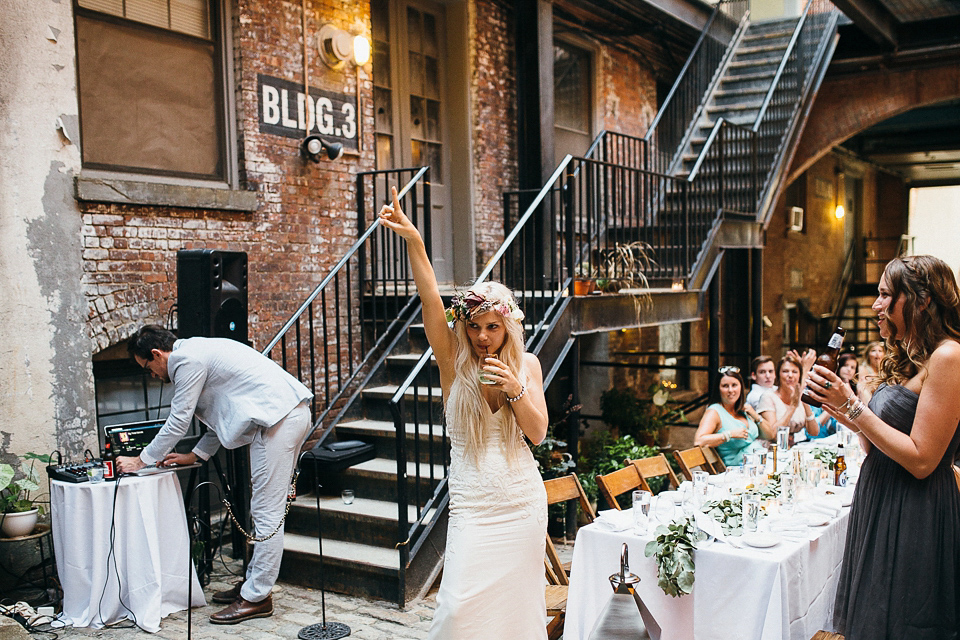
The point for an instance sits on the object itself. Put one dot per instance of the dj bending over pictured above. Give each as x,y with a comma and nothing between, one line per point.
244,398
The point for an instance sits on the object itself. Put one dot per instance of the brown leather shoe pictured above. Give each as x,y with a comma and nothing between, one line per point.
242,610
228,596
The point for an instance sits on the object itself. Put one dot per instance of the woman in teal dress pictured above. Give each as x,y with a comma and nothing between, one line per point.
731,426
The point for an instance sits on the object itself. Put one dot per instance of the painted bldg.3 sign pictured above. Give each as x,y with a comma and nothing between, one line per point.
283,111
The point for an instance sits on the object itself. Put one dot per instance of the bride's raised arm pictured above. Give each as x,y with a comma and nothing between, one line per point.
439,335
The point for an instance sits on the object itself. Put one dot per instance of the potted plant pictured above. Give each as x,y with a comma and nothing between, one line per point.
624,267
604,454
583,280
18,510
645,419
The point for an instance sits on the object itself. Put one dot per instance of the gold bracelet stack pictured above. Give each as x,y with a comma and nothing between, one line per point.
854,412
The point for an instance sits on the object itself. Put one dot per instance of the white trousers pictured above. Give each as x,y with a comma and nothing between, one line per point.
273,455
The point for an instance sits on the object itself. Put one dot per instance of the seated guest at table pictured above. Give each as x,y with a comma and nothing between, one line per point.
731,426
900,576
763,372
782,407
244,398
869,369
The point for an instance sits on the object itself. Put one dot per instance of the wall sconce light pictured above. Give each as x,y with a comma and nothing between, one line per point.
313,146
337,46
839,212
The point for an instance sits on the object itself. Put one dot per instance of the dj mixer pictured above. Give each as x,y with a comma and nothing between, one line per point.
73,471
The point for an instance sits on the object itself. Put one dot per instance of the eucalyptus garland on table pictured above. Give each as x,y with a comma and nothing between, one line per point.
673,550
827,456
728,513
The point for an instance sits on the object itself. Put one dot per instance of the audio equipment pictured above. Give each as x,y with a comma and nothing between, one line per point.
212,294
73,471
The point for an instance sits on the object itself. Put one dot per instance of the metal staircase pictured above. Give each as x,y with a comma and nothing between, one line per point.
699,182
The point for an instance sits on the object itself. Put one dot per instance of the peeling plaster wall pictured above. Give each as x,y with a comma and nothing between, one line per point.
47,389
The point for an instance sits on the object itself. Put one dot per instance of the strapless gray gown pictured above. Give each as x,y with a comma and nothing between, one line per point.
900,578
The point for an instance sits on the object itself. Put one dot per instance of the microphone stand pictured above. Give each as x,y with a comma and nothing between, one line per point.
324,630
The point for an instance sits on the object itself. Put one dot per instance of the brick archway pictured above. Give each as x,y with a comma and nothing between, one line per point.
848,104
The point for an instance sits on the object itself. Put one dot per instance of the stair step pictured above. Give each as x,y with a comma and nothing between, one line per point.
746,91
382,429
385,392
385,467
361,508
384,558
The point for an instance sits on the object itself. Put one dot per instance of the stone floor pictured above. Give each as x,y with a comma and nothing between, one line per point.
294,608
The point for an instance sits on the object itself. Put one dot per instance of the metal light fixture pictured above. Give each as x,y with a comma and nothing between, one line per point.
839,212
313,146
337,46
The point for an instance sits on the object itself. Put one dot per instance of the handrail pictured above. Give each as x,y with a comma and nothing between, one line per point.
338,267
783,65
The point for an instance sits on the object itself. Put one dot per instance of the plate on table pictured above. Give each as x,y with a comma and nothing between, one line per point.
760,540
674,496
817,519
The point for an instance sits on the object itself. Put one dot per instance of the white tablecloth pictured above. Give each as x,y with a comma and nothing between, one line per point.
149,552
786,591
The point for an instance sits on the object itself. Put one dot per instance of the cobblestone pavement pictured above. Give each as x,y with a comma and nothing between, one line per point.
293,608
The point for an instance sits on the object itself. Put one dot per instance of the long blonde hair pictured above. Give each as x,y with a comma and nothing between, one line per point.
469,411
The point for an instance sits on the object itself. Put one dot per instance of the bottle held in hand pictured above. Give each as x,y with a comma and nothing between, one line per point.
826,359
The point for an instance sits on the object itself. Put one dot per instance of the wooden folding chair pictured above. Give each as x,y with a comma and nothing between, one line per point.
569,488
556,591
826,635
654,467
691,460
619,482
714,459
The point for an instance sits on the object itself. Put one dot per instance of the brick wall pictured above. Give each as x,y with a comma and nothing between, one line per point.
307,214
629,93
493,85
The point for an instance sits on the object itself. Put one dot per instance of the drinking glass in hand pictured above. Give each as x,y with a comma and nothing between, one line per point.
641,509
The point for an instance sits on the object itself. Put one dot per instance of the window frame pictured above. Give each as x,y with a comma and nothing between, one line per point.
155,185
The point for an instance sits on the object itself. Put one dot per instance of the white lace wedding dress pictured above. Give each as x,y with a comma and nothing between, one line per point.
493,573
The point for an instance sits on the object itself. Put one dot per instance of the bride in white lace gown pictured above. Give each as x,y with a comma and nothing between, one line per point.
493,574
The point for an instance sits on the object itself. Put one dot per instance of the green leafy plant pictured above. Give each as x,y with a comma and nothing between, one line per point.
625,266
632,415
551,455
15,491
827,456
604,454
672,549
729,513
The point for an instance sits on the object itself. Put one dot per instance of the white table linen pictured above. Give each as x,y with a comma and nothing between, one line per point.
150,551
780,593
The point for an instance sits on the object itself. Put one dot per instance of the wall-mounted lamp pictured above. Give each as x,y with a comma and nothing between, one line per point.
313,146
337,46
841,194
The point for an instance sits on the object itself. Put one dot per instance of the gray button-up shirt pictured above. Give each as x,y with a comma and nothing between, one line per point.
232,388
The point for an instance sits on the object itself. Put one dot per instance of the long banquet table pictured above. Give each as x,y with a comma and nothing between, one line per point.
782,592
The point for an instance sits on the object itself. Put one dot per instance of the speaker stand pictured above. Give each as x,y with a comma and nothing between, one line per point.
325,630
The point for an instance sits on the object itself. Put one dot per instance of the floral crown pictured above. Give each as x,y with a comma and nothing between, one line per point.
466,305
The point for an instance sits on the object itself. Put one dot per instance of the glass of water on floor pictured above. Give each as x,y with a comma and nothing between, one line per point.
641,509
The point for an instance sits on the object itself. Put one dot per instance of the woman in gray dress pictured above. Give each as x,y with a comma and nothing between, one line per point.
901,567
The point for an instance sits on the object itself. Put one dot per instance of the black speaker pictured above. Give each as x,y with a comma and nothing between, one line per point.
212,294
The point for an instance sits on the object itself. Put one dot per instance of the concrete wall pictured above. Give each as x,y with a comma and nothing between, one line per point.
47,389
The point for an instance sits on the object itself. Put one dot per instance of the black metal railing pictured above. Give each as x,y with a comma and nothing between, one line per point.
363,300
801,59
725,176
681,108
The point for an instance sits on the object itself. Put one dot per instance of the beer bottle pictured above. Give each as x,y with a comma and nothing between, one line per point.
109,462
826,359
840,468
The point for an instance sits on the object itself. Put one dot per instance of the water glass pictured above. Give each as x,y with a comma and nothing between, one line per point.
783,439
701,487
814,469
347,496
734,479
665,509
641,509
788,492
95,474
751,510
798,466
